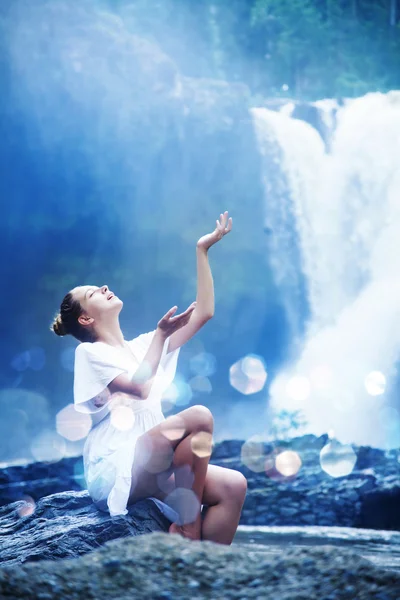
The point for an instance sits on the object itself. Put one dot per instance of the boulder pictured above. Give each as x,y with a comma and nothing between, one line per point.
380,507
68,525
161,566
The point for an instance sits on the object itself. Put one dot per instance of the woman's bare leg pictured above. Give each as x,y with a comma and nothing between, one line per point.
224,493
177,442
185,455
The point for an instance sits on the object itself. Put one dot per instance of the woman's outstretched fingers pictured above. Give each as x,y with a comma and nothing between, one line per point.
185,315
169,314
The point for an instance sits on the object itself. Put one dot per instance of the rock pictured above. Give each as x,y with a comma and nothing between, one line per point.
39,479
380,547
370,457
361,499
147,571
314,116
67,525
364,498
322,119
380,508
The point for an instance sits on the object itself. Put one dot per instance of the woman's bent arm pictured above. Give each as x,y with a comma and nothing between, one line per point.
141,382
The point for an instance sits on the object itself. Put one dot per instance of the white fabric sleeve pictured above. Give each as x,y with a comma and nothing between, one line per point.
94,369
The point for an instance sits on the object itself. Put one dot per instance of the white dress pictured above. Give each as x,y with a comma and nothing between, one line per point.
109,448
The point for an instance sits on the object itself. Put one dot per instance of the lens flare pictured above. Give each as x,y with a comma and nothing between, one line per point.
185,503
159,460
202,444
37,358
72,425
67,359
169,397
203,364
252,454
143,373
73,449
48,446
185,393
248,375
122,417
20,362
298,388
288,463
200,384
34,358
182,477
27,507
166,481
375,383
337,459
173,428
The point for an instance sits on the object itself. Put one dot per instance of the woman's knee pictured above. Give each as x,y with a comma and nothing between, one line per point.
201,418
235,485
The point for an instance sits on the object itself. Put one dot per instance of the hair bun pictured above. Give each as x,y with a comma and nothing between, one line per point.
58,326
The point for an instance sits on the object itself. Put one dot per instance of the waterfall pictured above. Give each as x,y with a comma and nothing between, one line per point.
345,204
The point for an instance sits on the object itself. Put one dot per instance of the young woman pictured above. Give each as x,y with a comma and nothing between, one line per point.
132,451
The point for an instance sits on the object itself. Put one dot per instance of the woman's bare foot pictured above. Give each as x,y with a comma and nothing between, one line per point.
192,531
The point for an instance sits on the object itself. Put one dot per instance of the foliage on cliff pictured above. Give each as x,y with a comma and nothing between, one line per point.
303,48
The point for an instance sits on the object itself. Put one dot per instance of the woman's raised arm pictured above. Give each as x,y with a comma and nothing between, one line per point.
205,286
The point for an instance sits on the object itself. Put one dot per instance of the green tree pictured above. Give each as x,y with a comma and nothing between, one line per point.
295,36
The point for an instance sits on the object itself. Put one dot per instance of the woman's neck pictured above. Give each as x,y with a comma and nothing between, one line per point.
112,337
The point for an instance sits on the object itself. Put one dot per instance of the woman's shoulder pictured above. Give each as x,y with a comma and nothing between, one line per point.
84,347
142,338
90,349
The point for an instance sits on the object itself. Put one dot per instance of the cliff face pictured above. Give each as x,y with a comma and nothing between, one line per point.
114,135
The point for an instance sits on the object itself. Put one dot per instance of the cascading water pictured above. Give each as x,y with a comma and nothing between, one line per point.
346,209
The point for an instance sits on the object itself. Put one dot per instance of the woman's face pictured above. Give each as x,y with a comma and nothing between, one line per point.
96,301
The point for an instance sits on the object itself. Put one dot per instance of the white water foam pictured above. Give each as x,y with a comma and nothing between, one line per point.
346,206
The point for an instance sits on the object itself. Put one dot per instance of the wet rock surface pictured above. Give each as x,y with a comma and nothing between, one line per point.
68,525
382,548
368,497
309,112
163,566
60,545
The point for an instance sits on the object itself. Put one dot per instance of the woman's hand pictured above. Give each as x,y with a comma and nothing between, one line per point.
168,324
224,225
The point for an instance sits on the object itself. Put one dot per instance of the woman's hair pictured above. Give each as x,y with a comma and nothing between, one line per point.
66,322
